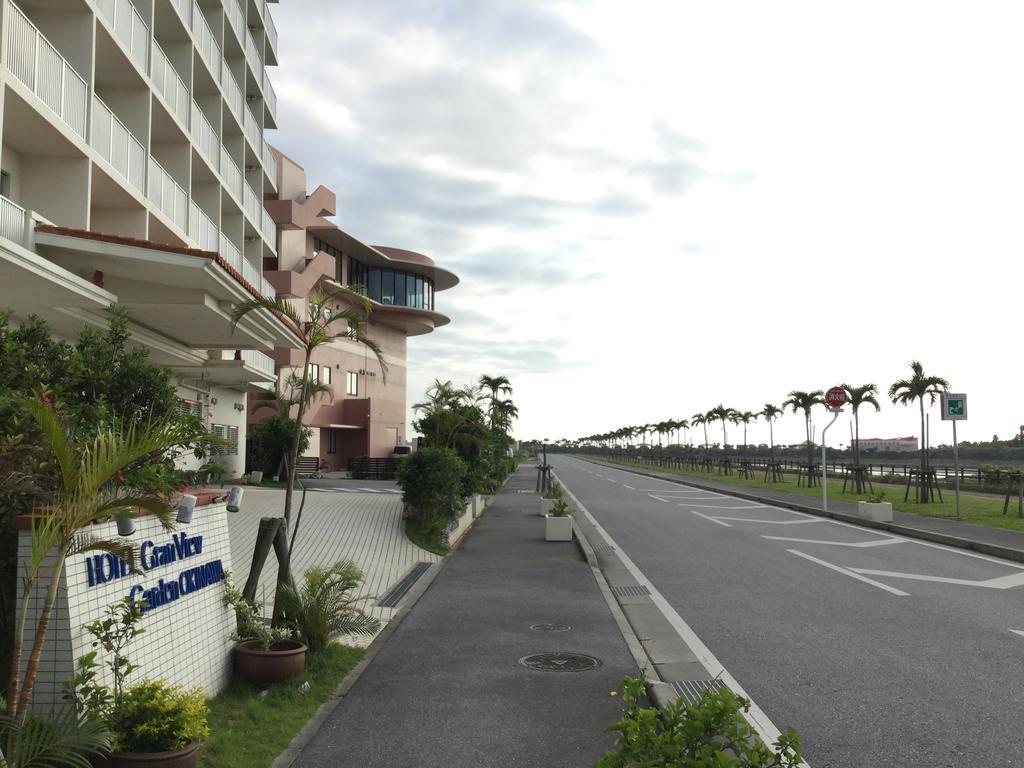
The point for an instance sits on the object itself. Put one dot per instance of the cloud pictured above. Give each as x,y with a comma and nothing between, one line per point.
511,268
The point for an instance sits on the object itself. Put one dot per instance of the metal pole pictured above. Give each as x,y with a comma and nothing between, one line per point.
824,467
956,468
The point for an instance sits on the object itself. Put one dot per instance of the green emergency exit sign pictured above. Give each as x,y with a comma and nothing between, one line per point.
954,406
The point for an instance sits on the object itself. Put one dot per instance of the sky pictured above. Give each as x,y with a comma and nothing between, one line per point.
657,207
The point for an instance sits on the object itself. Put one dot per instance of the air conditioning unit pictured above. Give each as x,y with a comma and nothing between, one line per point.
250,238
249,168
251,97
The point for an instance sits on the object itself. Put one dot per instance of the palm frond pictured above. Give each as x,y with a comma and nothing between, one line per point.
278,306
118,547
59,740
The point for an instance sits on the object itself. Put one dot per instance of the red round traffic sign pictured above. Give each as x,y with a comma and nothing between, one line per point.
835,397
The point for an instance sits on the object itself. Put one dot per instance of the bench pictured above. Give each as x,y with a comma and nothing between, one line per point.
307,466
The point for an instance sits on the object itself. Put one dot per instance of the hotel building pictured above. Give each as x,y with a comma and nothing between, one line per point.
134,171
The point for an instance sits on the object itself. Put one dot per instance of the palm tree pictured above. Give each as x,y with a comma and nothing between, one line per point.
771,413
724,414
864,394
88,491
684,425
332,313
905,391
804,401
744,418
701,420
492,386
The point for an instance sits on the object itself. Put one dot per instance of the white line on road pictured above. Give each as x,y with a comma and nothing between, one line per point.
628,486
609,480
851,574
688,503
657,497
999,582
857,544
1018,632
712,519
770,522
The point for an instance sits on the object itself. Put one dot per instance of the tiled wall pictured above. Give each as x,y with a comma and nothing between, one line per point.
185,641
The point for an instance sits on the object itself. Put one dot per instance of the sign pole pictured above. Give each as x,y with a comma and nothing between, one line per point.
824,466
956,468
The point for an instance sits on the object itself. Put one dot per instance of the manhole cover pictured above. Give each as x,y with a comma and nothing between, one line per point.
559,661
550,627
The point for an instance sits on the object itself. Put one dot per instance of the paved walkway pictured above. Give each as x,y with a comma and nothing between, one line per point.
363,527
1002,538
446,688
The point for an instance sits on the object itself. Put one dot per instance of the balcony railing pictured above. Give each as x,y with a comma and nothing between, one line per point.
184,9
269,229
206,42
253,56
270,164
269,95
230,253
232,93
36,63
251,204
204,136
252,274
251,128
261,362
236,18
129,28
167,195
271,30
12,221
231,175
201,228
116,144
169,84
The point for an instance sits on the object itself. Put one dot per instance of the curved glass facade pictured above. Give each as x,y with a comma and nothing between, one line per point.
392,286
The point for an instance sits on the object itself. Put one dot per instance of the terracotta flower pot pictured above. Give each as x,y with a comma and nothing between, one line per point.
285,659
186,757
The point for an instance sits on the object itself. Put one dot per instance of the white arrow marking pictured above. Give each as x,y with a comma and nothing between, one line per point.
712,519
1000,582
851,574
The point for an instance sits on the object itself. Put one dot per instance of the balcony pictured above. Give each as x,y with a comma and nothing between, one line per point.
201,228
252,131
269,229
236,19
184,9
129,29
13,220
205,136
270,163
231,175
232,93
116,144
205,41
259,361
251,204
168,84
167,195
269,96
271,31
37,64
232,255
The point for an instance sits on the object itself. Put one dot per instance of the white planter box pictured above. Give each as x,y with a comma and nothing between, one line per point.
557,528
546,505
880,512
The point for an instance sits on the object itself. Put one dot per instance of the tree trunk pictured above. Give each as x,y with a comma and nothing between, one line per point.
810,445
284,572
28,683
771,441
264,540
922,495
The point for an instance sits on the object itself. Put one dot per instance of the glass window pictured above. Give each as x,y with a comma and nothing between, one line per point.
352,383
387,286
410,293
373,284
400,288
327,374
332,441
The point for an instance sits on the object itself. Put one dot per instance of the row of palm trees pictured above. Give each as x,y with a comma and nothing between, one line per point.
903,392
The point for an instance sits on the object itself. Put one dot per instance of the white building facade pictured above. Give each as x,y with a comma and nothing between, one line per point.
133,169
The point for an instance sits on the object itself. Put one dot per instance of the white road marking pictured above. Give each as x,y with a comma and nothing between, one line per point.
999,582
1018,632
856,544
712,519
771,522
756,716
609,480
716,506
851,574
628,486
657,497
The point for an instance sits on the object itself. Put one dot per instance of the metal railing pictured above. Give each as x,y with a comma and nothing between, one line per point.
12,221
205,41
251,205
205,136
236,18
232,93
230,253
184,9
253,56
269,95
271,30
252,131
201,228
267,289
167,195
251,274
270,163
231,175
168,83
116,144
129,28
36,63
261,362
269,229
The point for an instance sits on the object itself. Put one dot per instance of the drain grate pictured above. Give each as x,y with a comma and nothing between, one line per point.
560,661
631,590
401,589
604,549
550,627
691,691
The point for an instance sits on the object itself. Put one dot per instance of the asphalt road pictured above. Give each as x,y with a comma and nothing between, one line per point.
879,650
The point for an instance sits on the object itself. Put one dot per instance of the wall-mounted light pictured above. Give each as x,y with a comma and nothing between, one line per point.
213,401
239,407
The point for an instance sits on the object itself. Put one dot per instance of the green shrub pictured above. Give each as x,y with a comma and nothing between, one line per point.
711,732
248,624
156,717
432,483
560,509
268,442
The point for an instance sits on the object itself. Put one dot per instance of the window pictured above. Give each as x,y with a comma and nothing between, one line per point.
387,286
400,288
5,184
327,374
332,441
228,434
352,383
313,372
190,408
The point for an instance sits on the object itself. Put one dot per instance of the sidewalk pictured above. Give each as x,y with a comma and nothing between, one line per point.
445,686
998,542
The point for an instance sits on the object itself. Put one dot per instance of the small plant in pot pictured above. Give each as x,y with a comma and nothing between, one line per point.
558,522
151,723
324,606
263,654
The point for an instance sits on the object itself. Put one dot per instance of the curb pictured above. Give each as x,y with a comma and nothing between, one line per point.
995,550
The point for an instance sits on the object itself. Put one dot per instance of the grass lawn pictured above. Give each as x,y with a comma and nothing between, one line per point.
247,731
973,509
426,534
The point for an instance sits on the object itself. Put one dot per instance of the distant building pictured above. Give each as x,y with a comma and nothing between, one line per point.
902,444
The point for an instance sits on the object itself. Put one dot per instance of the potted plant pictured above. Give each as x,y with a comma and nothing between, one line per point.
558,523
875,508
151,723
547,501
263,654
325,607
